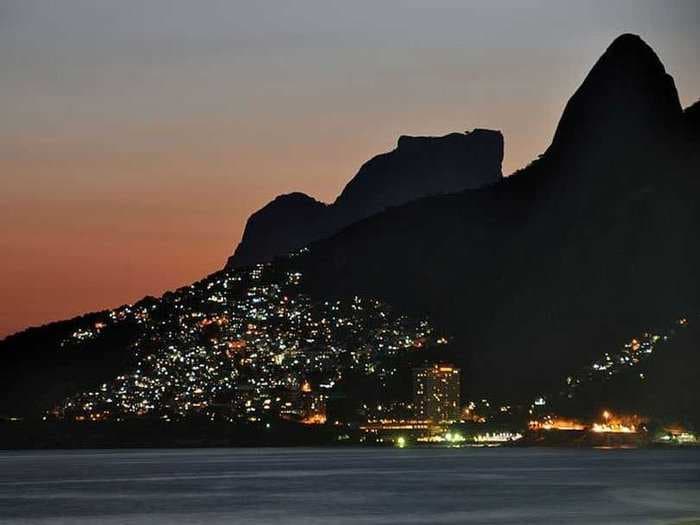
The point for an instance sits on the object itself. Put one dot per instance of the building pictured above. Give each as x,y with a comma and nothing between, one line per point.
436,393
304,405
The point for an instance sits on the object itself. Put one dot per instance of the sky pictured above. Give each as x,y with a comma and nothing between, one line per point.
136,137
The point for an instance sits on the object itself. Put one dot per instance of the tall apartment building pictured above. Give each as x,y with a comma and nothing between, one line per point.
436,392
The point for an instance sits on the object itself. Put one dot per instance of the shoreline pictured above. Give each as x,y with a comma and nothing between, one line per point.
153,434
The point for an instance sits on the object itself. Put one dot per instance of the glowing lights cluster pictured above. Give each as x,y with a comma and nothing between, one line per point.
240,344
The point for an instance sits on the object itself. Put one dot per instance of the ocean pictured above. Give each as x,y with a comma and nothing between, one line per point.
350,485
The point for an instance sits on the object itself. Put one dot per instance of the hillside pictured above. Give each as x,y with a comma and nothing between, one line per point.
529,279
594,240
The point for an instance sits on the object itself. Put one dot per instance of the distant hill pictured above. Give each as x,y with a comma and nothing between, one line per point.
418,167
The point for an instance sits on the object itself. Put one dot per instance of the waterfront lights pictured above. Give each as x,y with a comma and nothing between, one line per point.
616,424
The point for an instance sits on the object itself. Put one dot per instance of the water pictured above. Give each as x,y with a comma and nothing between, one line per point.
321,486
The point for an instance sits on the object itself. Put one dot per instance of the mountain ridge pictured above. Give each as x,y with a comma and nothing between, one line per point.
417,167
536,274
575,240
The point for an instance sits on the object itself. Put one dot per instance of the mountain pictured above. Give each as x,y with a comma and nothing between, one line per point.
531,278
418,167
626,98
281,226
594,240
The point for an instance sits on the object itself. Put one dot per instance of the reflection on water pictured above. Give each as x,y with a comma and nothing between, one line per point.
318,486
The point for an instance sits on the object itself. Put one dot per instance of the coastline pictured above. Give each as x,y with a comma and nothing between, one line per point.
152,434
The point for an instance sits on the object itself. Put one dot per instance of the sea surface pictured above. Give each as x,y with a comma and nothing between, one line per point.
350,485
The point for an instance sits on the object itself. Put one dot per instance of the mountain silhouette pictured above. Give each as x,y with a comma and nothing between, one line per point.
418,167
627,96
289,222
594,240
534,274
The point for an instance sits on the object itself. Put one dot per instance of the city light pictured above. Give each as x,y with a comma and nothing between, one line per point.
242,345
613,424
556,423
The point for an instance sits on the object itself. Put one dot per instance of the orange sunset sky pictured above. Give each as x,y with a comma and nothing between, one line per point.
137,137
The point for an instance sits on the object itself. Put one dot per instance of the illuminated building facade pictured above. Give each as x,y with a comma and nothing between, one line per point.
305,405
436,393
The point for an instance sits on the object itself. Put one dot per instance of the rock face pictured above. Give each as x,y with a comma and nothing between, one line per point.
626,98
281,226
418,167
